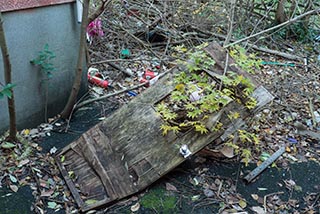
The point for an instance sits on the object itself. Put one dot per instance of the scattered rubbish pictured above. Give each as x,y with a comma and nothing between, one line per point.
264,165
148,74
316,116
132,93
195,96
150,77
184,150
125,53
96,78
53,150
309,123
94,29
292,140
278,63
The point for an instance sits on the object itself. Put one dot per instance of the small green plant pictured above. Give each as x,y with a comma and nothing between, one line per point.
244,145
197,95
159,200
247,62
6,90
44,61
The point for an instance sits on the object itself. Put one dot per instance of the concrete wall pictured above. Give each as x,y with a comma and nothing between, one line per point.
27,31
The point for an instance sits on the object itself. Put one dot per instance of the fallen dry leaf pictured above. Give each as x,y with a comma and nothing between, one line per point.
227,151
255,196
23,162
258,210
14,188
135,208
47,193
170,187
242,204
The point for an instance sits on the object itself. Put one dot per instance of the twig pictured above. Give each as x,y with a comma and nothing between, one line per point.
315,201
276,27
114,65
266,50
73,109
278,53
312,112
265,199
99,11
226,65
118,60
233,3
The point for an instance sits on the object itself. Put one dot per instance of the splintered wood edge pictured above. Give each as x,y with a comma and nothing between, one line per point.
69,182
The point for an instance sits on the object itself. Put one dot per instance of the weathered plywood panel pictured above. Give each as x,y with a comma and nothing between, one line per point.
127,152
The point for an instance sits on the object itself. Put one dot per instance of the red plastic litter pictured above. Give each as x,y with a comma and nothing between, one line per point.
148,74
97,79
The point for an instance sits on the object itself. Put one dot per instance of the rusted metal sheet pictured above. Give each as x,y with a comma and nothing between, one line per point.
127,152
12,5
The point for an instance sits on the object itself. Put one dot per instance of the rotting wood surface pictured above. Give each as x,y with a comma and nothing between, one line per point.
127,152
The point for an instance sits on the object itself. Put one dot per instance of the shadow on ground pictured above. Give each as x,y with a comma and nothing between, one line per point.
190,198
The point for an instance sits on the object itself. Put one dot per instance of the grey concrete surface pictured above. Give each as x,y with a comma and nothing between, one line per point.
27,31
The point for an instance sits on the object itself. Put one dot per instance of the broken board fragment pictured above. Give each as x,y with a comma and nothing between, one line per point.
127,152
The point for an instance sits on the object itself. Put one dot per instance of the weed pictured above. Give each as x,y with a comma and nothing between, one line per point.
157,199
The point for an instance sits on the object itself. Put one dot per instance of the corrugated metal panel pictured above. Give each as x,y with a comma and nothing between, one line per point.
11,5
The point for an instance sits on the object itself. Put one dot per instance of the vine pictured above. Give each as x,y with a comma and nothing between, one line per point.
198,95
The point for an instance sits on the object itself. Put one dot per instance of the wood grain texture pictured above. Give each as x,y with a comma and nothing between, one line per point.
127,152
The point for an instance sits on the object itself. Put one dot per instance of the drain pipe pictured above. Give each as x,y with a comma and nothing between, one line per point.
79,10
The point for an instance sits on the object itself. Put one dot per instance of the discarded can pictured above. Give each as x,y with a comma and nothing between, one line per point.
96,78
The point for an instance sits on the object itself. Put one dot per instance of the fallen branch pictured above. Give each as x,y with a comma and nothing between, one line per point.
265,164
99,11
276,27
265,199
266,50
277,53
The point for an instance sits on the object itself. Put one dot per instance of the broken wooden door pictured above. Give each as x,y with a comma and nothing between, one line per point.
127,152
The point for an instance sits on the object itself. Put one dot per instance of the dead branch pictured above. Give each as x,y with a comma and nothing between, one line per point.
99,11
276,27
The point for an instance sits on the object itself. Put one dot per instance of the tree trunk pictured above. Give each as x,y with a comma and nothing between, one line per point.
280,13
77,80
7,77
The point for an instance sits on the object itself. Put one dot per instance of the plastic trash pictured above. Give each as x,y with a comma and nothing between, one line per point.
132,93
150,77
125,53
292,140
149,74
96,78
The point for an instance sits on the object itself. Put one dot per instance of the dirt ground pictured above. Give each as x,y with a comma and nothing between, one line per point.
134,37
